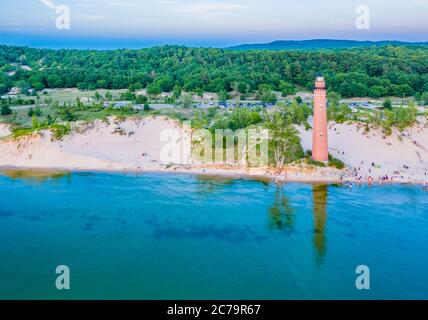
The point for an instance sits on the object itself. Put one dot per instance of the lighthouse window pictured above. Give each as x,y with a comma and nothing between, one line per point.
321,134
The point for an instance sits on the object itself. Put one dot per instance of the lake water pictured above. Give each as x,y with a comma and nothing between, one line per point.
162,236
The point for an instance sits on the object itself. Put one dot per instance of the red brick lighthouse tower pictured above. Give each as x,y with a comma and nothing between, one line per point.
320,133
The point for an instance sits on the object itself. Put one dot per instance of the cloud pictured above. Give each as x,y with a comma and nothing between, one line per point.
138,4
86,5
48,3
210,8
91,17
165,1
124,3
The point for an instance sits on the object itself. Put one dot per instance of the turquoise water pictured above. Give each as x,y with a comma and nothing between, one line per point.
186,237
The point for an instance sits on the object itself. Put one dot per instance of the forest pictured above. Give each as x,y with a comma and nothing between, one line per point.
375,72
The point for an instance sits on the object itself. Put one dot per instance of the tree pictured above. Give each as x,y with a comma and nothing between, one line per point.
79,105
286,88
346,89
154,89
49,119
34,122
165,83
243,117
297,113
109,96
284,141
38,86
403,90
134,87
212,112
199,92
80,86
339,113
3,88
333,98
5,110
244,87
223,96
387,104
37,112
378,71
176,92
141,99
360,90
186,100
265,94
377,92
127,96
199,120
424,98
68,115
101,84
418,98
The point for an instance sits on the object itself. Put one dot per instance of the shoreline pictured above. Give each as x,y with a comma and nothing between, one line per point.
222,174
135,146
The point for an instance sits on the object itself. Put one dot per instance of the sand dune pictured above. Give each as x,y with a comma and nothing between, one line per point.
135,145
99,145
4,130
403,156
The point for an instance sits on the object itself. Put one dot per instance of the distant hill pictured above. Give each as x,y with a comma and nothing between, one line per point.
321,44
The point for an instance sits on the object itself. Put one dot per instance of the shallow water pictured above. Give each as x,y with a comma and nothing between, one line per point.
162,236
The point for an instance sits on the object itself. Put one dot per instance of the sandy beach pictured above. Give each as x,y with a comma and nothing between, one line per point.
402,156
134,145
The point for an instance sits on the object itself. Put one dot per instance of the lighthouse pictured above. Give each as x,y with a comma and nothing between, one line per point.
320,133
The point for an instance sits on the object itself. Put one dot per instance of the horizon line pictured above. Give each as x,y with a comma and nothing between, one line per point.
78,46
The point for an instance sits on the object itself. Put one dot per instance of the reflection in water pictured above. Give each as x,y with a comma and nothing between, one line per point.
211,184
281,213
319,195
37,176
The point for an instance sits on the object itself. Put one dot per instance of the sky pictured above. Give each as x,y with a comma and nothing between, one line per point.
104,24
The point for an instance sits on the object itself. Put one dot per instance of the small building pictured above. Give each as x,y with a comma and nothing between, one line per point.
26,68
14,91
